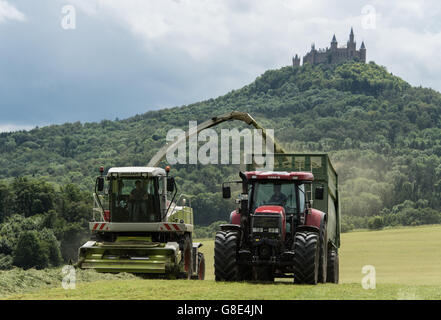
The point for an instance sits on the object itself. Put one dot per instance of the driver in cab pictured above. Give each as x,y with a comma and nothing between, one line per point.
138,193
278,197
137,207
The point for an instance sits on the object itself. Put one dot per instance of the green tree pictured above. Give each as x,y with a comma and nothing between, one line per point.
31,252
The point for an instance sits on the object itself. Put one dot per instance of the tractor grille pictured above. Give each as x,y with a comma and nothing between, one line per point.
266,224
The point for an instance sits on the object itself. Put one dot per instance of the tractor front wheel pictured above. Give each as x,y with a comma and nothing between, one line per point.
306,257
226,267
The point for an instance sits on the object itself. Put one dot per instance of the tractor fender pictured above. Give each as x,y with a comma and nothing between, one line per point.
308,228
316,218
230,227
235,218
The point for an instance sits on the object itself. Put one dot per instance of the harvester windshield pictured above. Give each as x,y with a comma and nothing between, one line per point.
135,200
269,192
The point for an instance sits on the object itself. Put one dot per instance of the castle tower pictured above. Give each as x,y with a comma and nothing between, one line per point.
351,35
363,52
296,61
334,43
351,44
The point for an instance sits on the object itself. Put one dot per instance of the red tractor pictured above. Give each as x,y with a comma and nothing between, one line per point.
275,232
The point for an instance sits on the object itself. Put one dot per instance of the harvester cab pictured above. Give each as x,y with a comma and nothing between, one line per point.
141,225
276,231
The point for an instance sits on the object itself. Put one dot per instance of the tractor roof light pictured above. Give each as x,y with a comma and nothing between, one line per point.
101,171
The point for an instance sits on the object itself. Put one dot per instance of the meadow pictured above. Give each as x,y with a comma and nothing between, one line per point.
407,264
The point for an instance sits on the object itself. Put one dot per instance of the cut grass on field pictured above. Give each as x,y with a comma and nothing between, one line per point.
407,263
211,290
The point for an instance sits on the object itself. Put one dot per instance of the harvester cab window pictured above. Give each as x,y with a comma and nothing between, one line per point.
161,186
135,200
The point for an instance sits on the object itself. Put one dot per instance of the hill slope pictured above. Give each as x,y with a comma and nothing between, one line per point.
384,137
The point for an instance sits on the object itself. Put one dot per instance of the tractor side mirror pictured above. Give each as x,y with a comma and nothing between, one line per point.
100,182
226,192
170,184
319,193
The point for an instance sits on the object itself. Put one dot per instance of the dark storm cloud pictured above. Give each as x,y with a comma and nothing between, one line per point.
128,57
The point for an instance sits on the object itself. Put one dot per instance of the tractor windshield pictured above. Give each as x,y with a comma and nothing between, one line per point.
269,192
134,200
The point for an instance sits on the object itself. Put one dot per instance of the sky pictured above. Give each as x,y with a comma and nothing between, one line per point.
88,60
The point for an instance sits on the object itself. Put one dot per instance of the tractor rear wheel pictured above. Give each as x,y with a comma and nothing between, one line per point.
333,266
306,257
225,256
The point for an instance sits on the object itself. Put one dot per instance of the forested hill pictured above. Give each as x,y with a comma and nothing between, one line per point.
384,137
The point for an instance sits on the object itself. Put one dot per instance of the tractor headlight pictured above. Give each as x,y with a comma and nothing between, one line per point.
257,229
273,230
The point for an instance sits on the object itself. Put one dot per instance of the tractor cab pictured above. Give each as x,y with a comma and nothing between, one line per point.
273,194
277,202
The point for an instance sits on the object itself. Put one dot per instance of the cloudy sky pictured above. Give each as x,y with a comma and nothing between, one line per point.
107,59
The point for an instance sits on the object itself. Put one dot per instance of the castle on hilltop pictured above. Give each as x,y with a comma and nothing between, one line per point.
333,54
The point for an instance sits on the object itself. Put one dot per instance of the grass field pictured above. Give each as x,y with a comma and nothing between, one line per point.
407,263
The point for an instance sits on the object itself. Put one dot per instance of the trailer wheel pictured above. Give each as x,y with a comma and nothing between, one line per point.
306,257
201,268
333,266
323,268
187,257
225,256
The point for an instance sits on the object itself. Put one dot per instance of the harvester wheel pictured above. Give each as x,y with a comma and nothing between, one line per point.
333,266
187,256
201,268
225,256
323,268
306,257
